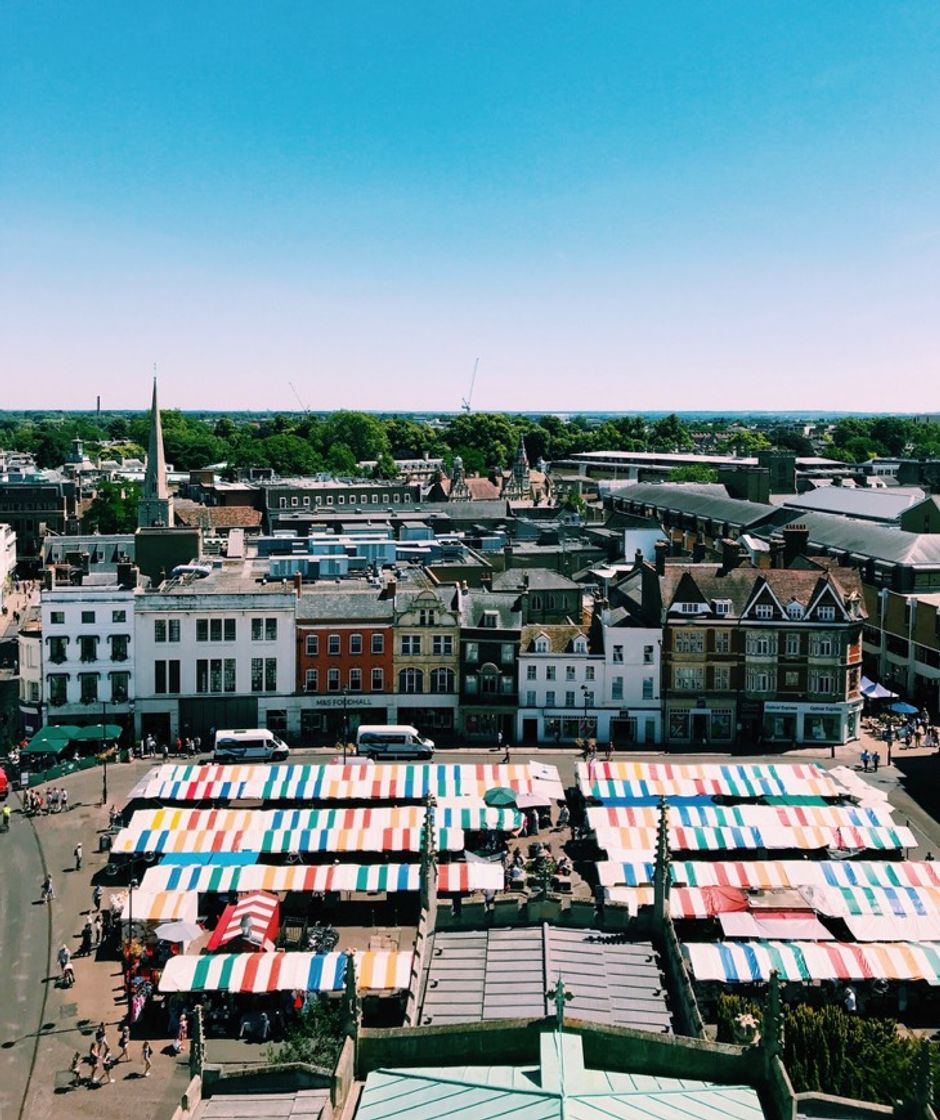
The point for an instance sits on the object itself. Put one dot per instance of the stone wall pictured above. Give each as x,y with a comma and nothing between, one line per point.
686,1015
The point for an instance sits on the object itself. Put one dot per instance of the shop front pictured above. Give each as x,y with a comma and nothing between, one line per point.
486,723
433,715
699,726
792,722
323,718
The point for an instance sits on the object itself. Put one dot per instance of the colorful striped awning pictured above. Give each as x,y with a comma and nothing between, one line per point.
753,961
614,840
774,874
285,972
337,840
629,780
335,782
255,972
739,816
253,918
160,906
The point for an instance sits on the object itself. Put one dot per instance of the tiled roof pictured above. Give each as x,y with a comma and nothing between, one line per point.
536,579
344,606
700,500
560,636
215,517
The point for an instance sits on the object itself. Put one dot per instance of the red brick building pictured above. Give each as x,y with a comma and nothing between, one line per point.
345,653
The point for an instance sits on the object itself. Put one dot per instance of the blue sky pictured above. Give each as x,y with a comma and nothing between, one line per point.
614,206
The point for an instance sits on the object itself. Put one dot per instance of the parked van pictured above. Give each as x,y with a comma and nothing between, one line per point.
255,745
392,741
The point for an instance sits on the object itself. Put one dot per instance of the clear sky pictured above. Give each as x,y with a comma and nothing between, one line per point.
729,204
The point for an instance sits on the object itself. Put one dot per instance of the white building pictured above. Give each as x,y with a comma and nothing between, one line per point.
87,660
216,648
7,559
562,682
632,705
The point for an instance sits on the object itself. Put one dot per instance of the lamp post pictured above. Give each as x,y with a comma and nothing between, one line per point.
132,886
345,721
584,720
131,709
104,753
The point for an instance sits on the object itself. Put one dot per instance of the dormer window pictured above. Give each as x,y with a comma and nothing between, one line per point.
580,645
490,619
764,611
794,610
689,608
722,607
827,614
541,645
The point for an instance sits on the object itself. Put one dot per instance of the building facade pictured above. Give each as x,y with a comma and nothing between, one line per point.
490,634
426,660
562,683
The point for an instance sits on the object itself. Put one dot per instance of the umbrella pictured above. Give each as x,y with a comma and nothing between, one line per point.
903,709
178,931
532,801
96,732
499,797
51,739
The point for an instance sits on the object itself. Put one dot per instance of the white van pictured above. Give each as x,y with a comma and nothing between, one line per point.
254,745
392,741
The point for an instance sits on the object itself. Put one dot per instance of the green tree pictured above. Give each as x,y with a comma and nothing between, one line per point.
385,467
363,435
670,434
341,461
693,473
113,508
315,1037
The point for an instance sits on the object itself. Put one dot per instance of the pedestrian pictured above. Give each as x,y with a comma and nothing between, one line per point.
146,1053
96,896
506,755
929,857
48,892
65,963
124,1039
608,750
166,752
64,799
98,924
102,1069
6,818
101,1035
87,933
865,760
499,739
850,1000
876,760
78,853
75,1069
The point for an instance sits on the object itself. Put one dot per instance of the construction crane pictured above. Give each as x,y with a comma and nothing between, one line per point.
466,402
297,395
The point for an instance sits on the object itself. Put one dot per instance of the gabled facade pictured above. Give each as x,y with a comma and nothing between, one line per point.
490,632
758,656
426,661
562,683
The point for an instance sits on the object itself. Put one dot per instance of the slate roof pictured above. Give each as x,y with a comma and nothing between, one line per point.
560,637
344,606
739,584
539,579
697,499
861,539
506,973
851,501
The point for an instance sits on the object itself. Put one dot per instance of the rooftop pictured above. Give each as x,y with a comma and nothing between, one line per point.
862,502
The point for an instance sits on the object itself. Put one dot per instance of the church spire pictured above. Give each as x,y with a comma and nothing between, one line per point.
156,505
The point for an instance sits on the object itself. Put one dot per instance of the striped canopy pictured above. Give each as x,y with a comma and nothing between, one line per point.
878,902
160,906
255,972
389,877
774,874
628,780
739,816
684,902
752,961
335,782
296,840
260,910
475,815
285,972
614,840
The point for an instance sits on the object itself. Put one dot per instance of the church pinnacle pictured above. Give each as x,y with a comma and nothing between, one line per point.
155,508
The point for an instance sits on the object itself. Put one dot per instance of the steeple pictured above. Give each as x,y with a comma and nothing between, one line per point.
156,505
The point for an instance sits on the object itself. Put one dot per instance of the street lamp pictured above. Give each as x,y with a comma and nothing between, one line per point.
584,721
132,886
345,721
104,753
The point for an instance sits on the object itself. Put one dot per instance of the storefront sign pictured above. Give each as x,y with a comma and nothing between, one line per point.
351,702
780,707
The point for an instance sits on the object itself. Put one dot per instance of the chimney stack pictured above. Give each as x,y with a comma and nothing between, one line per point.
298,583
662,550
777,552
638,558
795,542
127,576
731,555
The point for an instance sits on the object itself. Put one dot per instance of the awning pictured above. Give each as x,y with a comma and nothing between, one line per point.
98,732
255,972
51,739
378,971
253,919
759,817
160,906
461,878
736,962
895,929
874,691
627,780
887,902
773,874
783,925
283,841
302,782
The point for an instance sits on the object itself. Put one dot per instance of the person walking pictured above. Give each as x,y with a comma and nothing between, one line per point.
124,1039
102,1069
87,933
506,754
96,896
876,760
146,1053
48,892
98,923
499,740
7,811
79,854
65,964
865,760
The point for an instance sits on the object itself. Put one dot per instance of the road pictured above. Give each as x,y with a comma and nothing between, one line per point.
25,938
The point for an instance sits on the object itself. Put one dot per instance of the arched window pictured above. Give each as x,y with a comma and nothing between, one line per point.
489,680
442,680
411,681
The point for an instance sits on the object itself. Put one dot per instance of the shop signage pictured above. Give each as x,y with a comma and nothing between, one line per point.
352,702
780,707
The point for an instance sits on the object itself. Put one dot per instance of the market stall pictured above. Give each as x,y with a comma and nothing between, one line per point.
250,923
